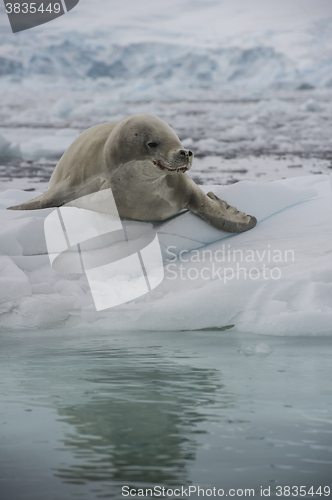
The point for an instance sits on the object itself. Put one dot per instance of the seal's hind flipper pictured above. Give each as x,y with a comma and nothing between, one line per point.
46,200
59,195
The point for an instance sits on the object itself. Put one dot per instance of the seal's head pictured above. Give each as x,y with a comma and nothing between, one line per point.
146,138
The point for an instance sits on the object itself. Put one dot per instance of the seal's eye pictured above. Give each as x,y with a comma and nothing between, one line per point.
152,144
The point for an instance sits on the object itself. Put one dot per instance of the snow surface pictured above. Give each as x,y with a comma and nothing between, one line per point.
271,292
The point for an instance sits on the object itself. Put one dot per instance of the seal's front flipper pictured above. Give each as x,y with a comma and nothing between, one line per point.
60,194
219,214
231,219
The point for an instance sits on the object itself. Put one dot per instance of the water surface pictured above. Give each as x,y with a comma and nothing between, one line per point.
83,414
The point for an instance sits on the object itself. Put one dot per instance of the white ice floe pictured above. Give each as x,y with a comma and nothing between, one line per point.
275,279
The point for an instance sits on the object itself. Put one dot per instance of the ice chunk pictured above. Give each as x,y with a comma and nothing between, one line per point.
10,67
14,283
4,146
63,107
22,234
260,349
51,146
311,105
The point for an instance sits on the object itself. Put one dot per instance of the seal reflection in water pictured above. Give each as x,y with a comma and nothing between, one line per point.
144,163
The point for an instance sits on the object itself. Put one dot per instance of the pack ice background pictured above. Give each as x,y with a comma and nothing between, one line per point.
247,86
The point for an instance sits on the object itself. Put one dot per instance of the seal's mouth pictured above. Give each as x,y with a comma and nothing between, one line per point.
162,166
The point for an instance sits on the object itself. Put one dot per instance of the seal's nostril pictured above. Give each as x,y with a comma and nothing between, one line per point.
183,153
190,153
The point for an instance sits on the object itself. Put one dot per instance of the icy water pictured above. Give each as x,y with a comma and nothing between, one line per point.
83,414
